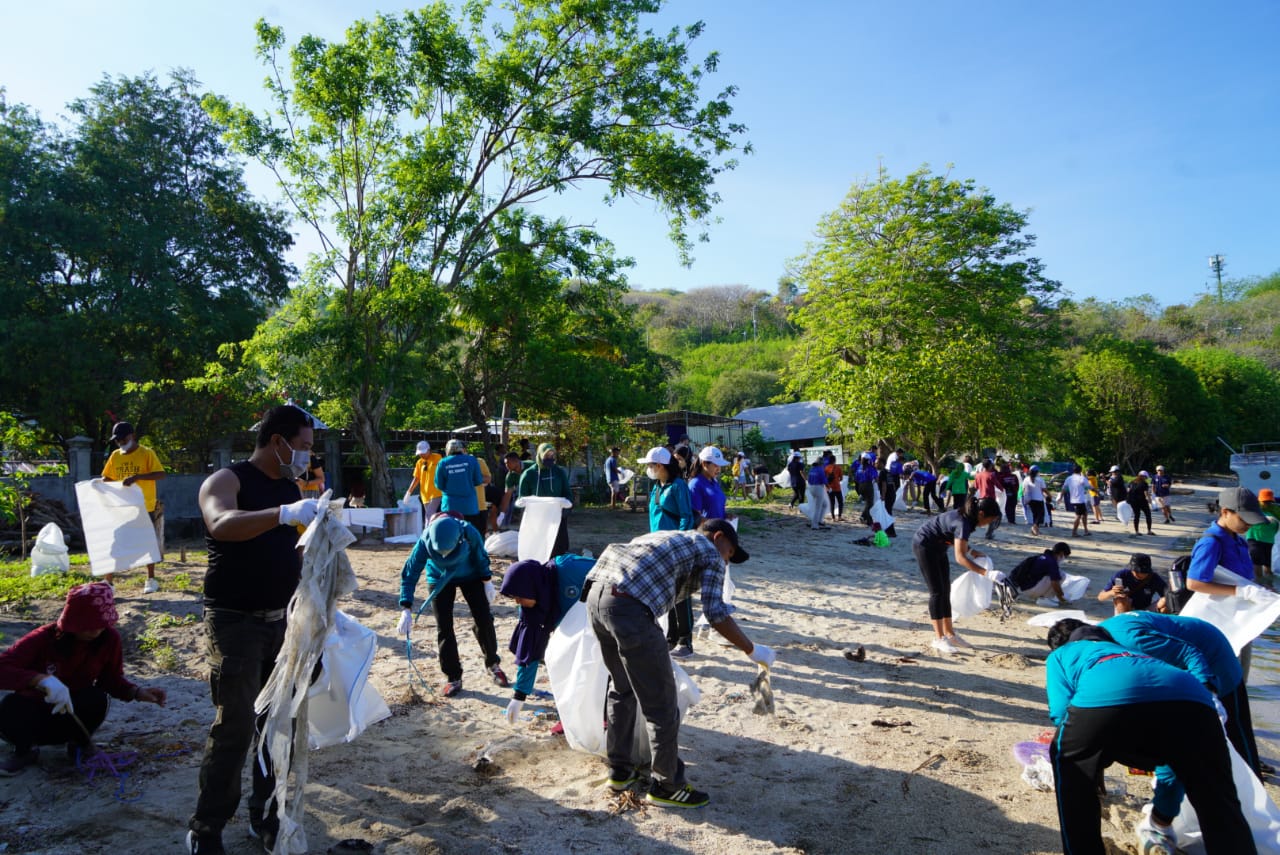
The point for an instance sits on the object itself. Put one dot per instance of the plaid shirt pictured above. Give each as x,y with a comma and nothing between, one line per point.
664,567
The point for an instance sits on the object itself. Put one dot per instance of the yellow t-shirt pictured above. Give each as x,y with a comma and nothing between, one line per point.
140,461
484,470
424,472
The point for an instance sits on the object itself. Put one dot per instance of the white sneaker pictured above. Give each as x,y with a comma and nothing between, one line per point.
944,646
957,641
1154,840
152,585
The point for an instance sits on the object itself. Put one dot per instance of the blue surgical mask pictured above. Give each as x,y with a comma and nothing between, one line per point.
296,467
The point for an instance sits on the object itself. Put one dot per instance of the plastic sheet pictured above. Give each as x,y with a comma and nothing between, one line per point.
118,531
539,526
1240,620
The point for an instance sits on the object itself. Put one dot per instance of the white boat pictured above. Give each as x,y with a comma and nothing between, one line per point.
1257,465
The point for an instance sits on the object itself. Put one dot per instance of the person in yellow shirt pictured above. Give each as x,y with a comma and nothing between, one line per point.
424,480
131,464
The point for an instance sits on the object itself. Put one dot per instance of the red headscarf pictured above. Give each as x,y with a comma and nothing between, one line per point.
89,607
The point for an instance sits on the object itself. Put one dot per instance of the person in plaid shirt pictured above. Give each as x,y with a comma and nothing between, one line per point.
630,584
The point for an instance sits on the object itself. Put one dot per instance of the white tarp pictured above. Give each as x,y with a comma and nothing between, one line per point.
1240,620
539,526
1048,619
579,681
341,703
118,531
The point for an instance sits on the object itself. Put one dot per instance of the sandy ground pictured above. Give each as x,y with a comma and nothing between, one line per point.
904,751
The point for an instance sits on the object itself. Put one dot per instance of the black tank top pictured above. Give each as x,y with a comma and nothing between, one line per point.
261,573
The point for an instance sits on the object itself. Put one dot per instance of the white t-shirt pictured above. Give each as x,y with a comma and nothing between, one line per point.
1077,487
744,470
1033,489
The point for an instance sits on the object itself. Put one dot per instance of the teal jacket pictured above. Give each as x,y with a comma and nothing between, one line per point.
465,561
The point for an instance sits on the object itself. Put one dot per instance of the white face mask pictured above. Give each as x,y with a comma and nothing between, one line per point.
129,446
296,467
653,470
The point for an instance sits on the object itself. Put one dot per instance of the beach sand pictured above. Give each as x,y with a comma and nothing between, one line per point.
903,751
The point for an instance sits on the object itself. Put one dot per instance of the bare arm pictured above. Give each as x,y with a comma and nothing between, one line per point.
1211,588
223,519
961,550
734,635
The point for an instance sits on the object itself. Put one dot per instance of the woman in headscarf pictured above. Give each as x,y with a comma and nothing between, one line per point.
545,478
62,675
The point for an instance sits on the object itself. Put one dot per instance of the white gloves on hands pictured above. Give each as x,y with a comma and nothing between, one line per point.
56,693
406,621
513,710
762,655
490,592
996,576
301,512
1252,593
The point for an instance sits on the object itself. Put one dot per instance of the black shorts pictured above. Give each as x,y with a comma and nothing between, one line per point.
1260,553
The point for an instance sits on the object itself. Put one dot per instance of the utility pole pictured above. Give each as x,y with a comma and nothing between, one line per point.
1216,263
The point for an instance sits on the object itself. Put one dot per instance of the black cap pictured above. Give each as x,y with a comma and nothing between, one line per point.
120,431
710,527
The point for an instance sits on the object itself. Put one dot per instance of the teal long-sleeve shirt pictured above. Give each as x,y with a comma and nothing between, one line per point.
1196,646
466,562
1093,674
671,507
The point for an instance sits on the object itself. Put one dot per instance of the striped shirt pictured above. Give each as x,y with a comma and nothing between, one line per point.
664,567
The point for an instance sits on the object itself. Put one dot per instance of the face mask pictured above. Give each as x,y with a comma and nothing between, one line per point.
129,446
652,471
296,467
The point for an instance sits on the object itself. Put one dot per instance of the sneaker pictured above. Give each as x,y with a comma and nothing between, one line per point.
957,641
499,677
681,797
684,651
17,761
151,586
944,646
1154,840
621,779
198,844
451,688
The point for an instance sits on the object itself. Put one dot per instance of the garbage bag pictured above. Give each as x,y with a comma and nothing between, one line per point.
539,526
49,554
503,544
341,703
971,592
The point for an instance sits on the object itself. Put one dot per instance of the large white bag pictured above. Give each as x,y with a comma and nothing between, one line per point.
1124,513
579,681
118,531
49,554
1074,587
540,525
880,515
341,703
503,544
1240,620
1258,809
970,592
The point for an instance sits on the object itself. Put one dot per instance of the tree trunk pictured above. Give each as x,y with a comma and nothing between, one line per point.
367,424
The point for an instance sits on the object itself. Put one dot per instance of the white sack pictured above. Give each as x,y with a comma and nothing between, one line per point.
49,554
1258,809
1240,620
118,531
341,703
880,515
1124,513
1074,587
970,592
539,526
503,544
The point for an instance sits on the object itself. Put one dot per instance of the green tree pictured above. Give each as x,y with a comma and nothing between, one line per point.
1243,398
739,388
925,322
403,144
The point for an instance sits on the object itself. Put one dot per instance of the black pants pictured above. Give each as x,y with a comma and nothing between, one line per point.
1239,726
561,546
866,492
931,492
799,494
1139,510
482,626
242,652
837,503
480,520
680,624
1184,735
890,496
26,721
1010,506
936,570
1037,511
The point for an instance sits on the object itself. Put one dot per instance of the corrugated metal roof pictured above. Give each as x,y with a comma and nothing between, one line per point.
806,420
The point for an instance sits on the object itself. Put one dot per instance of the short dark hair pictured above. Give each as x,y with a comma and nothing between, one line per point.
511,455
1061,631
285,420
1061,548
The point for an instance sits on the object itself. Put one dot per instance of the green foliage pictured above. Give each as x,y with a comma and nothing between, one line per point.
1243,399
677,321
409,143
944,321
757,364
153,646
18,587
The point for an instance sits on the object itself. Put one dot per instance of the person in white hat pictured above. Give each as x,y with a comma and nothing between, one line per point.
424,480
1117,489
1161,490
706,495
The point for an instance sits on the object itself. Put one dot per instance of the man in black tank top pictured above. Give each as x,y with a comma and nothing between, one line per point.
252,511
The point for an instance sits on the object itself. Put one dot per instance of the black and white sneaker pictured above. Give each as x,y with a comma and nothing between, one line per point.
681,797
621,779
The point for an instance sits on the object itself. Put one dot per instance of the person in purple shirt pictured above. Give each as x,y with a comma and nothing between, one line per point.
705,492
817,495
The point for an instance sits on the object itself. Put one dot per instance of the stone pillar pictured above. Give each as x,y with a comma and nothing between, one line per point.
80,459
221,454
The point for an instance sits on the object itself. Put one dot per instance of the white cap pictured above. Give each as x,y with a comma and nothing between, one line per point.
795,454
657,454
1144,474
1115,468
1159,468
424,447
711,454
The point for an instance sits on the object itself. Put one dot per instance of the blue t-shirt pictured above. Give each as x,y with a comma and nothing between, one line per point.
1219,547
457,477
670,507
817,475
945,529
611,470
1029,576
921,477
1092,674
1196,646
1141,591
707,497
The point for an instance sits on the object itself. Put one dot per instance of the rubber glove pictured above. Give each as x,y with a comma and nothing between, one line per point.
406,621
1252,593
301,512
513,710
490,592
762,655
56,693
996,576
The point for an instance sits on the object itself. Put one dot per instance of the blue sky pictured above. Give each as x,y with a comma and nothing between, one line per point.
1142,136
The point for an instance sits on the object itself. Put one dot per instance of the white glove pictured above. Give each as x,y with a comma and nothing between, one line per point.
56,693
513,710
1221,710
301,512
490,592
406,621
996,576
1252,593
762,655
